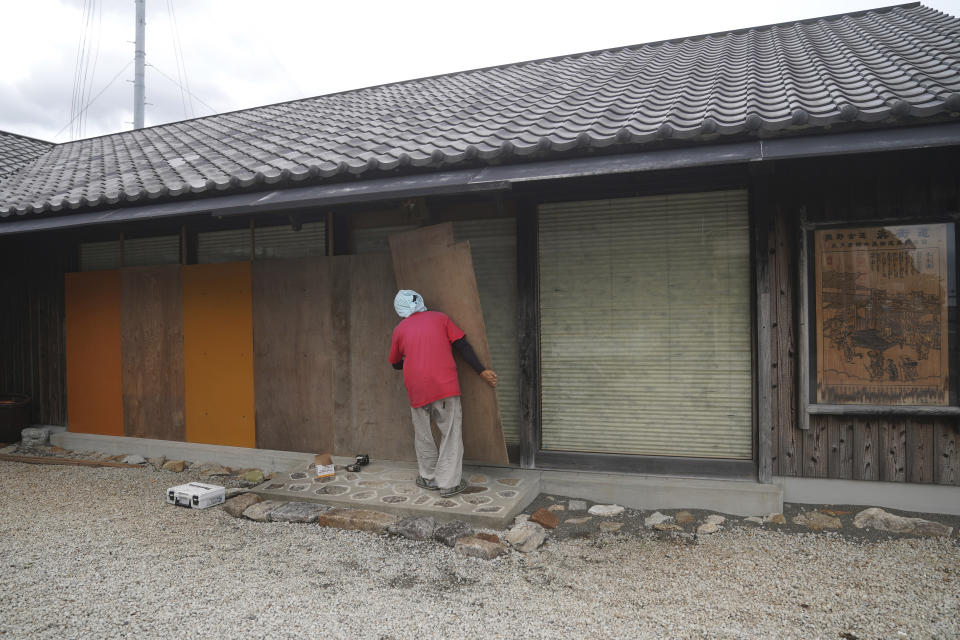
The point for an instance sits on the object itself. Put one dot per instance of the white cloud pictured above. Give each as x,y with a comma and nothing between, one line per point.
245,53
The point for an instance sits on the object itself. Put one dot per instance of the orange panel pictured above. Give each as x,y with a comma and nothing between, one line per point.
94,368
218,354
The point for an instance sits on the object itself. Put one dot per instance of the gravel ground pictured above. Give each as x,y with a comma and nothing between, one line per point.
95,552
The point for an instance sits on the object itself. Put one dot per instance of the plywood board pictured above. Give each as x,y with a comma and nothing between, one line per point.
420,242
372,410
218,354
152,349
293,354
93,320
446,280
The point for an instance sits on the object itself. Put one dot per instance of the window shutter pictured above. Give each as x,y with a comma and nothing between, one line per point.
645,326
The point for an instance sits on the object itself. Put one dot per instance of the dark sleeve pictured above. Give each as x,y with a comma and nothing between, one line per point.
468,355
397,365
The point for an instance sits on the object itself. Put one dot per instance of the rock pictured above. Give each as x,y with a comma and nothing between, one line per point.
238,504
876,518
775,518
714,519
577,505
213,469
817,521
35,436
174,465
231,492
708,527
526,536
157,463
556,507
610,527
754,519
605,510
580,520
415,528
357,519
667,526
297,512
656,518
489,537
254,476
134,459
684,517
474,547
449,532
545,518
261,511
521,517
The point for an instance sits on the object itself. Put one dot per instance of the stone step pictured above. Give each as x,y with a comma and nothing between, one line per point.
494,495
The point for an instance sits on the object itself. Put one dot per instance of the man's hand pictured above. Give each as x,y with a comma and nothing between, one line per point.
489,377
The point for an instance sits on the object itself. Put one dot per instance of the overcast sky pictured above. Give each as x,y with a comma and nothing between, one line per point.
244,53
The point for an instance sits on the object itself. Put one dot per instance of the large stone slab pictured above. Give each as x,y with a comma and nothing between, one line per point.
298,512
876,518
494,496
357,520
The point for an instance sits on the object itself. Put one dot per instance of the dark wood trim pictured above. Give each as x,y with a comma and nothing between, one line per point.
647,465
759,215
528,309
882,410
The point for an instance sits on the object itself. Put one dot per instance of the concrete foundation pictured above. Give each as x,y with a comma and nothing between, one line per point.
734,497
921,498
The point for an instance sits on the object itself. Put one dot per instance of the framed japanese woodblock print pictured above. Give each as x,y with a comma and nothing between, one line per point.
882,297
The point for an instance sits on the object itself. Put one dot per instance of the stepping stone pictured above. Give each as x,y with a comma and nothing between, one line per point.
417,528
176,466
817,521
237,505
260,512
298,512
526,537
606,510
684,517
876,518
545,518
474,547
450,532
610,527
356,519
577,505
580,520
656,518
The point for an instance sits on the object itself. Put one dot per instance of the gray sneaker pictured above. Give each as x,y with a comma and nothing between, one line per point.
429,485
452,491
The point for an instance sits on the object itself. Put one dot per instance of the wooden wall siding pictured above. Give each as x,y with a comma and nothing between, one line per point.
152,347
901,186
372,408
218,354
32,338
293,354
94,385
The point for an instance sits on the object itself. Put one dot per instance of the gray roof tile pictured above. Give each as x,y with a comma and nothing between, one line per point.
16,151
878,66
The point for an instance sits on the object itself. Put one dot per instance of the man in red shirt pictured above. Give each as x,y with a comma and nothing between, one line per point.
421,347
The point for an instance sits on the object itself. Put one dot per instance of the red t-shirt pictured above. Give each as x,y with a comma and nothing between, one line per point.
423,341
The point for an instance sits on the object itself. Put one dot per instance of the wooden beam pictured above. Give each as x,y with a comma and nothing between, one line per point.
66,461
528,309
764,339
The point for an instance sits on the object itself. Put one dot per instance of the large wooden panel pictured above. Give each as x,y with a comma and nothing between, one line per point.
446,280
93,317
152,346
293,354
218,354
947,456
372,409
866,445
893,443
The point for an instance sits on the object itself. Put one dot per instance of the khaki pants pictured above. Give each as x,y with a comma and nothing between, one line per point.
443,465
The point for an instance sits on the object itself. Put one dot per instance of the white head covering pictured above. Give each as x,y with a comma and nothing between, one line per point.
408,302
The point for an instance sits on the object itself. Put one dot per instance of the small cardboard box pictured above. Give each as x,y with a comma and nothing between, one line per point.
324,463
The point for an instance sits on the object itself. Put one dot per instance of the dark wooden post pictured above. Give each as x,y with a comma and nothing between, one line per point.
760,217
529,327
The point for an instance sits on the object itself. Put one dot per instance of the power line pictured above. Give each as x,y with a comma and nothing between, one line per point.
212,110
185,97
89,104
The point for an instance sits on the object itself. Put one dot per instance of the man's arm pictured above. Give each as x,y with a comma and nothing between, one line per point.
397,365
471,358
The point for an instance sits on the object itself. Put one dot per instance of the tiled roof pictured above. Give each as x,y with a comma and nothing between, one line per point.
882,67
16,151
